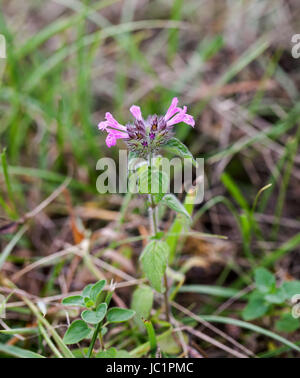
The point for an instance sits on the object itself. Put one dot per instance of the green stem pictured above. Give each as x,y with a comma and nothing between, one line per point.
166,297
151,337
155,230
94,338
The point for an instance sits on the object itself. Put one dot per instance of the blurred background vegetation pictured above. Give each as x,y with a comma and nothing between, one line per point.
230,62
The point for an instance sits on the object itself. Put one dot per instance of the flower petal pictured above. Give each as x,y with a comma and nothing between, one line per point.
117,134
113,123
172,109
103,125
136,112
111,140
189,120
182,117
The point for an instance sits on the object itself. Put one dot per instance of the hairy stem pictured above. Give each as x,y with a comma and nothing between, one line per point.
154,231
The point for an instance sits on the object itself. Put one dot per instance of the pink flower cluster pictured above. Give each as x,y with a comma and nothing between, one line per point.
145,132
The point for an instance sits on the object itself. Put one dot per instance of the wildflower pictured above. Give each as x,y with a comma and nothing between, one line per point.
146,136
114,129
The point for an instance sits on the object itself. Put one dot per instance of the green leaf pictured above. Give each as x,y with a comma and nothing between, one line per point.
154,260
291,288
234,190
142,302
118,315
74,300
88,302
77,331
96,316
86,292
278,296
96,289
18,352
113,353
109,353
255,308
264,280
122,354
168,345
176,146
173,203
179,225
287,323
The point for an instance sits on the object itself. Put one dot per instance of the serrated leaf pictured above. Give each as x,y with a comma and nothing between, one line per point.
74,300
287,323
264,280
176,146
173,203
96,316
77,331
118,315
154,260
96,289
255,308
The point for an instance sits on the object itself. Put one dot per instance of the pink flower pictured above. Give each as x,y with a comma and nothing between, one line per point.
178,114
114,129
148,135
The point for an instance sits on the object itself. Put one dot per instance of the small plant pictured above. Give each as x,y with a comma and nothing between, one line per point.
145,138
95,318
268,298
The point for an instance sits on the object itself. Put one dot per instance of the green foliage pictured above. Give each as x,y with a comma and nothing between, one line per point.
178,148
87,291
94,315
74,300
179,225
256,307
14,351
77,331
264,280
153,181
113,353
291,288
151,337
171,201
119,315
142,302
287,323
154,260
266,295
61,115
96,290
